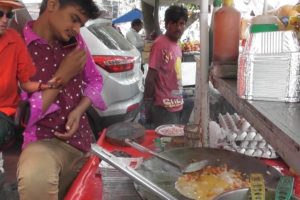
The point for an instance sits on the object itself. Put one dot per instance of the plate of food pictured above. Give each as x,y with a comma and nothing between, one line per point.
170,130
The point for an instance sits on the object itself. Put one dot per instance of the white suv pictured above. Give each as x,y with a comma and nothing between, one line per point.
120,65
118,61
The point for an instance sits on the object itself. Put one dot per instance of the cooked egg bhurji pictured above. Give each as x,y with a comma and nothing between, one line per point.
210,182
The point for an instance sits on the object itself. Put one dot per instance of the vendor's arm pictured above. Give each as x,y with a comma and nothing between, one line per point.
150,84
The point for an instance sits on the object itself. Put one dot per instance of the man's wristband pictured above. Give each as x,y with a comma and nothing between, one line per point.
40,86
55,83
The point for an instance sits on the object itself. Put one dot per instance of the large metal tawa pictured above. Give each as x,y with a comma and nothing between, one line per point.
165,175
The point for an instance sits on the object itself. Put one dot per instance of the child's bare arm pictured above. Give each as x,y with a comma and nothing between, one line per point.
30,86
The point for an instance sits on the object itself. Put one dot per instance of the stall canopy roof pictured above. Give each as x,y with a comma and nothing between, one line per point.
128,17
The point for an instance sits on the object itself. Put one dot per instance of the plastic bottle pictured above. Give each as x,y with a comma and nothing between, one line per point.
226,35
217,5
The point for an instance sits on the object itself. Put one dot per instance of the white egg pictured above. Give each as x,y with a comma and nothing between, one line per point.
244,144
241,136
252,129
258,137
270,147
249,152
232,136
245,126
273,154
253,144
258,153
266,154
262,144
250,136
242,151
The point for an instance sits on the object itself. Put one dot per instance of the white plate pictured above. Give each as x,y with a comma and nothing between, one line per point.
170,130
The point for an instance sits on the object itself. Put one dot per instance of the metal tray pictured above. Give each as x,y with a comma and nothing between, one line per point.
268,67
165,175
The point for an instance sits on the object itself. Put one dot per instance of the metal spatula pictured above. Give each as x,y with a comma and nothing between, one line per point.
192,167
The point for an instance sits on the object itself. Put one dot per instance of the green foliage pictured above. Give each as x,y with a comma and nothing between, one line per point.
192,7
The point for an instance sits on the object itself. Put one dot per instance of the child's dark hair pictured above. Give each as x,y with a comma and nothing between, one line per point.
136,22
89,7
174,13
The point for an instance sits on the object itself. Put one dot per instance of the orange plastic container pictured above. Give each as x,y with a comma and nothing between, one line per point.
226,34
217,5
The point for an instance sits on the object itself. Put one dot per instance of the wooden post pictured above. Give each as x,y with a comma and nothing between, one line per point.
156,17
201,103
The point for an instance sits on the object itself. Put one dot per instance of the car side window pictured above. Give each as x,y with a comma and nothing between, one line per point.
110,37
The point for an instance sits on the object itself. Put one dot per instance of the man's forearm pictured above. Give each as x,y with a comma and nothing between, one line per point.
83,105
150,84
48,97
149,91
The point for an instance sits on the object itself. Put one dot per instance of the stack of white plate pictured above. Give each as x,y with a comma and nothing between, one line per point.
269,67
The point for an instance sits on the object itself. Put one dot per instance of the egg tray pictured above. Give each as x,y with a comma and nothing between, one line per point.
241,137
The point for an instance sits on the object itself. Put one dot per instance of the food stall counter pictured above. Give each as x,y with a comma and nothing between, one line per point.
88,184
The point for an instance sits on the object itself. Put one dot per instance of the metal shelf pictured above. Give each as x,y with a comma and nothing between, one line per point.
278,122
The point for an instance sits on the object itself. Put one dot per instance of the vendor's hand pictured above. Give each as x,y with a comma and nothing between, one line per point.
71,65
71,126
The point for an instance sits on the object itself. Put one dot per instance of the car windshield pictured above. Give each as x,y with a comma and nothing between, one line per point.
110,37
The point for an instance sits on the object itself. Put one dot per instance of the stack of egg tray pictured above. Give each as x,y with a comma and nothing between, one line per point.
243,138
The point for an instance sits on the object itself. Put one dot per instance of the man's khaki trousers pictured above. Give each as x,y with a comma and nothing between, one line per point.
47,168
